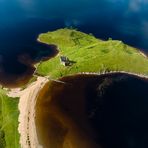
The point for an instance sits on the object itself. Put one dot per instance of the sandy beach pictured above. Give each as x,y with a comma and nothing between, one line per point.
27,129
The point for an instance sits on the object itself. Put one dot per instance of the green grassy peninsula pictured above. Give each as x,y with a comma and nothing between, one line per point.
89,54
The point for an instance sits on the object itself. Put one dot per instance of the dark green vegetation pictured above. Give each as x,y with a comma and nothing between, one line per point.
9,136
90,54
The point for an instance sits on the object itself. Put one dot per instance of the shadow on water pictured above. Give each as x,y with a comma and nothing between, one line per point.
107,111
19,50
18,70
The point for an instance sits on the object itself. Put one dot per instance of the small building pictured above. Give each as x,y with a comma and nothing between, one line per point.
65,61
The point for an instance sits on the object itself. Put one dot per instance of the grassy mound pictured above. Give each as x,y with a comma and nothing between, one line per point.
9,136
89,54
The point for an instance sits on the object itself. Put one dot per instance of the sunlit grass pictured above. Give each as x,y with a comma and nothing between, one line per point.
9,136
90,55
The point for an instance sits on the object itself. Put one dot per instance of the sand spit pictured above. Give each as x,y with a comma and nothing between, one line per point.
143,54
142,76
27,128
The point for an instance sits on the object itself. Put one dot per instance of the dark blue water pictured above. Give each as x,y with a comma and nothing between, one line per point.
22,20
120,109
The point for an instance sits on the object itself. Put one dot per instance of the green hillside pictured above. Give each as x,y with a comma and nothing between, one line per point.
9,136
89,54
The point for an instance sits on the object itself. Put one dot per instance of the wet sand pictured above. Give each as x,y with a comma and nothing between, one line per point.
27,128
75,115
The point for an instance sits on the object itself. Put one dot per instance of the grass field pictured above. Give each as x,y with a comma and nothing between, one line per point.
9,136
89,54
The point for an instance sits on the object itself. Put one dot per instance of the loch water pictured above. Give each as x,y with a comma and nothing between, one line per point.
108,111
21,21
